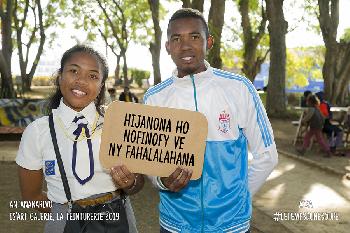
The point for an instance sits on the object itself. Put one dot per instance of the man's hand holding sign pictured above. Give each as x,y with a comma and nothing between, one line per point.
155,141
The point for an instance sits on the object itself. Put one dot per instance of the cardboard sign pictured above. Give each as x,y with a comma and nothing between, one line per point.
153,140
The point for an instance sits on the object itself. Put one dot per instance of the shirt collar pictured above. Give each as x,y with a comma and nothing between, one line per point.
199,77
67,114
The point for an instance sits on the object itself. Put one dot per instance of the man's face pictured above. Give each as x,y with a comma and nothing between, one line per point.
187,45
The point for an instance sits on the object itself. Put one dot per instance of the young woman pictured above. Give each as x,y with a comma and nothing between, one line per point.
78,116
315,120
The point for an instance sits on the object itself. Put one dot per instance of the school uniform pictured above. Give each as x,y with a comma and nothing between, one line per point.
86,177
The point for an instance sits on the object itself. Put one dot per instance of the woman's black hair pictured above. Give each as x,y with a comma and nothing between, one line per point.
54,100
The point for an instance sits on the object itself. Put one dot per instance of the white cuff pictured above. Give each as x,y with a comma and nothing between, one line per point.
160,184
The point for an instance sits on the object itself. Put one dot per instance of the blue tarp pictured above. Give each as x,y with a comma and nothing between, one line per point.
261,81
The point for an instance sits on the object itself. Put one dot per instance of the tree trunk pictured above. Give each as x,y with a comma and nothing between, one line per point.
41,44
7,89
156,45
117,70
341,84
120,33
276,94
251,63
328,71
216,22
186,3
336,66
19,26
125,70
198,4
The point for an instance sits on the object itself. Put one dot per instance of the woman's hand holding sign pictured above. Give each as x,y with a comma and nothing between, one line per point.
177,180
124,179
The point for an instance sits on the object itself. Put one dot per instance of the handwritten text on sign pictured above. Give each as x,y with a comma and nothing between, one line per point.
153,140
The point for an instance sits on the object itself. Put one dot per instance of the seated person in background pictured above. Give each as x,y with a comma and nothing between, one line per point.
112,93
315,120
304,97
128,96
324,107
333,132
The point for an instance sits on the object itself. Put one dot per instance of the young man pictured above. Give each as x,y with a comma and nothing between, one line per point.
220,201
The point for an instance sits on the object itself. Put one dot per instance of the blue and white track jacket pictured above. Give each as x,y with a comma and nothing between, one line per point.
220,201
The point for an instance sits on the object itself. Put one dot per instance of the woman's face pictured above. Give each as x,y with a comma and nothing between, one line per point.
80,81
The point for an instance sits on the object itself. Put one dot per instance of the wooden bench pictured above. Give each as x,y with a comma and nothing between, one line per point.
11,133
11,130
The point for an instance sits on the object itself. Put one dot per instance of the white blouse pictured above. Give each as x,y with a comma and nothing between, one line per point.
36,152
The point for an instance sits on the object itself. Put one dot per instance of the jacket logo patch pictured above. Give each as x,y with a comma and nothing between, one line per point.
50,167
224,122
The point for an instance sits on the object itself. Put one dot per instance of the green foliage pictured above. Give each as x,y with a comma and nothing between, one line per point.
254,6
346,36
310,12
263,46
110,17
303,63
137,75
254,15
232,58
52,13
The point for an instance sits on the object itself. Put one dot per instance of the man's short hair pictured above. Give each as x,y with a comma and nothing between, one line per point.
189,13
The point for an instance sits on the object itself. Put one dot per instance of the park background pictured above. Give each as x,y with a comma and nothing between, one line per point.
291,45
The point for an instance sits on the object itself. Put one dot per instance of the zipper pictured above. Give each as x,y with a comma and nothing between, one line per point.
194,92
196,105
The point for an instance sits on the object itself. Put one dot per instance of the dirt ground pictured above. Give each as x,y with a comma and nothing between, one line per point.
296,187
284,132
145,205
291,182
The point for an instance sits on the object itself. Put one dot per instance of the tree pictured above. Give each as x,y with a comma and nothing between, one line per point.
216,22
6,90
195,4
118,28
304,64
31,24
139,75
276,95
336,66
16,17
20,25
122,21
251,38
232,59
155,45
